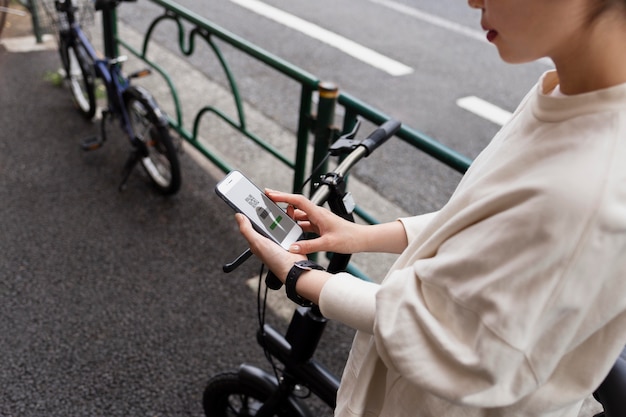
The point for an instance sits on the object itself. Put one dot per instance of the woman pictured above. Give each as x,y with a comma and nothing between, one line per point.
509,301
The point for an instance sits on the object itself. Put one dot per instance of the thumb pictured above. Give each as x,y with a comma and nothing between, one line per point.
240,218
304,247
242,222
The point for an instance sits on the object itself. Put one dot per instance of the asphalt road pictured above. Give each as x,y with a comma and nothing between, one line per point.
111,304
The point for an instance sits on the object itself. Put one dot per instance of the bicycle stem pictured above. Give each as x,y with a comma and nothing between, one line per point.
320,195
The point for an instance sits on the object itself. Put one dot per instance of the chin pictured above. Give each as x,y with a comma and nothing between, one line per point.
516,59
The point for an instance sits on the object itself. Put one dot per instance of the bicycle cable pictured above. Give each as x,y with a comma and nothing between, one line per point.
261,310
315,170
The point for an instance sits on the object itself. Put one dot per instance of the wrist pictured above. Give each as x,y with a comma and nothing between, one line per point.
293,276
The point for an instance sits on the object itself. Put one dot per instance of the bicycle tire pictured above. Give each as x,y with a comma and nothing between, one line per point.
80,78
226,396
161,164
63,38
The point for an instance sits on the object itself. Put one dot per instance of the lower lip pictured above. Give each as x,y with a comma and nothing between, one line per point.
491,35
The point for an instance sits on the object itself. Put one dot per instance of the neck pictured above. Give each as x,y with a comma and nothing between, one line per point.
598,60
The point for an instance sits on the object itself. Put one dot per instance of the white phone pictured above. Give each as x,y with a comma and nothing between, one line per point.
266,217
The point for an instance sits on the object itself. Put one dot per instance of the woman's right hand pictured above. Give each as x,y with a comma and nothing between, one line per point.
335,233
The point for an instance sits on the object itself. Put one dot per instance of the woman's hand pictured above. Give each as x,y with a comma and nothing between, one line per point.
277,259
335,233
280,261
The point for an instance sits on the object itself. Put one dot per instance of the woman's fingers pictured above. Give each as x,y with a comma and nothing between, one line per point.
275,257
305,247
298,201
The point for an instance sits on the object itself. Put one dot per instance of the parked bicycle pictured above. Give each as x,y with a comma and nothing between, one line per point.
140,117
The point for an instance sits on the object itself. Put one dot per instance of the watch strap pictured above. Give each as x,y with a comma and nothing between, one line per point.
292,278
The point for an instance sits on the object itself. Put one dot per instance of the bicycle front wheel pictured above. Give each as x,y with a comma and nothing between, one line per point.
81,78
161,162
226,396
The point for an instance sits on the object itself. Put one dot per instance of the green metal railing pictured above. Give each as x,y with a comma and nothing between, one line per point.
319,123
33,9
191,27
208,32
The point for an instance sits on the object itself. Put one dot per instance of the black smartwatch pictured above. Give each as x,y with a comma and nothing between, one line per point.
292,278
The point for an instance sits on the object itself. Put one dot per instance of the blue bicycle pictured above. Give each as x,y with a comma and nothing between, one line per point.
140,117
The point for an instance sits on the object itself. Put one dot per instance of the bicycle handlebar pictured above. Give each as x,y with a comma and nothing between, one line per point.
368,145
380,135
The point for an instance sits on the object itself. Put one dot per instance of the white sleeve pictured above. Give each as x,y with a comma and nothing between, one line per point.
415,224
350,300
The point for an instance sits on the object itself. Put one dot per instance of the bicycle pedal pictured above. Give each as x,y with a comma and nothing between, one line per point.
140,74
91,144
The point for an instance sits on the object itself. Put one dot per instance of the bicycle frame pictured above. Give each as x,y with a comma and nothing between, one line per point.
295,355
295,350
107,69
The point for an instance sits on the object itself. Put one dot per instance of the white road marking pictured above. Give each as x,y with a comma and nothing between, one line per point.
484,109
345,45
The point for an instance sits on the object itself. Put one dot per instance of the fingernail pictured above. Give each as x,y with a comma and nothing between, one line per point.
294,249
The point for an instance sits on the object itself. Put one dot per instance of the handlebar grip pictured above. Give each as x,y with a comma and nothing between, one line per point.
272,281
380,135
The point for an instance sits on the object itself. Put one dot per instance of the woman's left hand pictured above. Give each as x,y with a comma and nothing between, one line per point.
277,259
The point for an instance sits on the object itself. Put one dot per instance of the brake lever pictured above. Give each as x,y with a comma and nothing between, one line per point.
271,280
346,143
231,266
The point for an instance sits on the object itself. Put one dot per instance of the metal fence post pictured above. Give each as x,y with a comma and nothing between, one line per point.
324,129
32,6
302,136
109,32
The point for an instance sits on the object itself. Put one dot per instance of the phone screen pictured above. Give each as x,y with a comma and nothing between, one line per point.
269,219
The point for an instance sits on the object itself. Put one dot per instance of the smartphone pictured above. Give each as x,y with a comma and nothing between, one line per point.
266,217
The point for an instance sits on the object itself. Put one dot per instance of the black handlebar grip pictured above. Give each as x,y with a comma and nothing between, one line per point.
272,281
380,135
